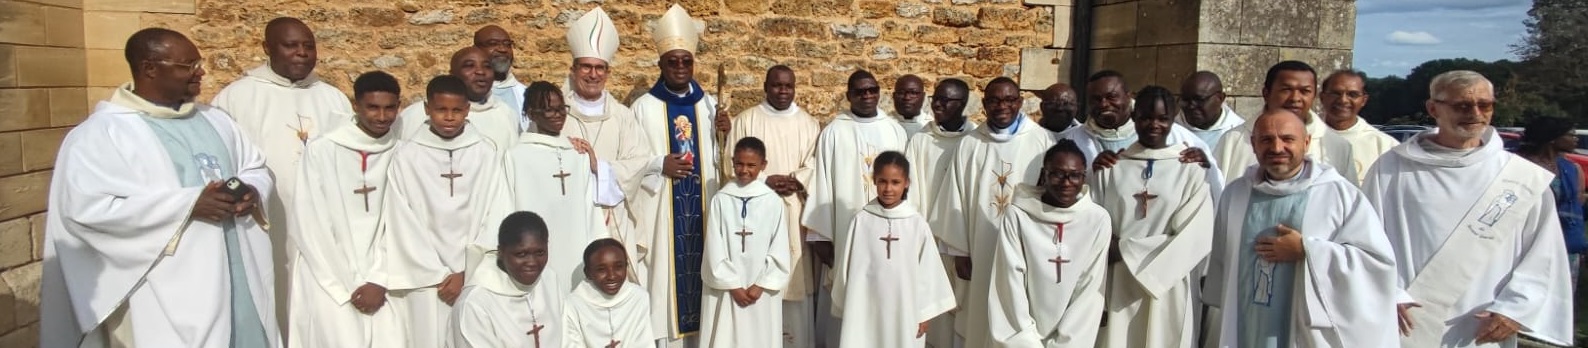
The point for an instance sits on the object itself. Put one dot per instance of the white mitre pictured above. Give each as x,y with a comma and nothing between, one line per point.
677,31
594,36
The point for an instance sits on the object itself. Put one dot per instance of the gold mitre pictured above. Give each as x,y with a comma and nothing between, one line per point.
594,36
677,31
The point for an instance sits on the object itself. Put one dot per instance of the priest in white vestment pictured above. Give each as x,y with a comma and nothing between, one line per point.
338,292
1054,226
909,96
512,299
1059,108
1299,255
790,135
932,150
841,181
743,300
1203,110
678,117
606,310
1109,128
1474,229
505,87
1163,224
1290,85
558,177
1343,97
447,191
493,119
600,118
982,178
145,243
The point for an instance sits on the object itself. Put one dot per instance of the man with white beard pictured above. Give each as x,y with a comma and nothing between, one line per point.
495,41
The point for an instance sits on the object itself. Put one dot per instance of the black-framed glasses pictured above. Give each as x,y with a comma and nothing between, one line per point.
562,111
946,100
1015,101
865,91
1191,101
1066,176
1481,105
497,43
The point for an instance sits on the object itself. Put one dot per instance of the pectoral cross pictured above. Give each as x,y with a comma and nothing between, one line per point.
451,177
889,239
1058,267
536,332
1142,198
562,178
364,191
743,235
614,344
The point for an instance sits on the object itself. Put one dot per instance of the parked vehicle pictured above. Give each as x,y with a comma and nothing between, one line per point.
1513,141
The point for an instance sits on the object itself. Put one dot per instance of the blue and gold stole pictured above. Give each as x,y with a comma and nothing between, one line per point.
688,204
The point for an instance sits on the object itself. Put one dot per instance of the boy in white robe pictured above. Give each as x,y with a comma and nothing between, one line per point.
447,191
141,214
1052,226
886,301
791,136
1163,225
560,177
1299,256
492,118
337,274
1479,250
933,149
606,310
512,299
742,304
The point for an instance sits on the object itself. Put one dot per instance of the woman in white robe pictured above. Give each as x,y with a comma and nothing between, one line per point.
606,310
511,300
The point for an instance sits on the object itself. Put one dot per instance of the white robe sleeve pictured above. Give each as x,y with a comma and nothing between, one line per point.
315,218
608,191
471,324
1348,276
776,272
1175,258
949,211
1538,293
408,253
718,270
572,329
933,294
822,201
1009,309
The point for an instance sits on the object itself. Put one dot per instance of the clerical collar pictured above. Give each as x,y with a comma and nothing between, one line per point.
595,107
124,97
1020,118
880,115
264,72
962,125
687,89
1304,179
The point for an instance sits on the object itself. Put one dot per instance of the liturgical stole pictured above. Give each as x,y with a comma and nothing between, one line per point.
687,204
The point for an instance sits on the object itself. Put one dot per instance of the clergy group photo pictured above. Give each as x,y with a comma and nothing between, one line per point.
495,212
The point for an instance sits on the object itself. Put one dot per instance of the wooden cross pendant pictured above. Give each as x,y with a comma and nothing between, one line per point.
365,190
451,177
562,178
614,344
1058,267
536,332
889,239
1142,198
744,234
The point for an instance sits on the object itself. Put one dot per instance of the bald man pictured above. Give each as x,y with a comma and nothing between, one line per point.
1203,111
281,105
1292,231
154,236
909,96
492,118
1059,108
495,41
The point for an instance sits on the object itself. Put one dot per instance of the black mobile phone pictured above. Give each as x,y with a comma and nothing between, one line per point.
236,188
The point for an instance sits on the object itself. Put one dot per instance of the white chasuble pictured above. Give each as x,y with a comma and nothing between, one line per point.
882,297
549,178
1227,120
339,241
1049,273
1093,139
1235,149
670,214
981,183
124,263
446,201
841,181
930,152
593,319
1163,217
1367,144
746,245
497,311
492,119
612,130
1473,230
1341,294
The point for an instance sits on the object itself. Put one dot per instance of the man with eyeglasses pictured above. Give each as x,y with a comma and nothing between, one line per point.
601,119
488,115
909,95
929,152
790,135
154,237
987,170
1059,108
1343,97
1289,85
1109,128
496,42
841,180
1478,246
282,105
1203,111
559,177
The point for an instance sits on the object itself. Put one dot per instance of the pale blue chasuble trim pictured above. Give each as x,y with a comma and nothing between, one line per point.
200,156
1267,288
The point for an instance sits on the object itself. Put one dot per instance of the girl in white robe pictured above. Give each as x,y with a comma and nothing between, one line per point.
606,311
511,300
746,258
886,301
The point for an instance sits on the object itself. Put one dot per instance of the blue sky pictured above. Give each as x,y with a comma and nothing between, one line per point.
1392,36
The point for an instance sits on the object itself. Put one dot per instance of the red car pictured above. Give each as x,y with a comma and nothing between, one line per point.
1513,141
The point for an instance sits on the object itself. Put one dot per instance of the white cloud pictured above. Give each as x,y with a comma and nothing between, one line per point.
1412,38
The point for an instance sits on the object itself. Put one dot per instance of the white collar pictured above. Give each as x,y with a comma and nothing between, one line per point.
264,73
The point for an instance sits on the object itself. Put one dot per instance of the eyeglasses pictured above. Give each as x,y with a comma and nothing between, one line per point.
1482,105
1015,101
865,91
945,100
497,43
1347,94
1192,101
195,65
908,93
1063,176
562,111
590,68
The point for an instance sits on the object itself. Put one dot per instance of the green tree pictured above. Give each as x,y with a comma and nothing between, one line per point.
1552,53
